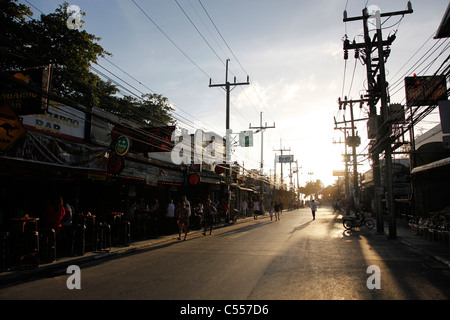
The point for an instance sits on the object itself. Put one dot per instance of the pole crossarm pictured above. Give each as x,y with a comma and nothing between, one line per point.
230,84
366,14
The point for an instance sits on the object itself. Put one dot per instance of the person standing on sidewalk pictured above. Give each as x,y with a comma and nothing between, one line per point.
313,206
244,208
208,219
183,220
251,207
256,209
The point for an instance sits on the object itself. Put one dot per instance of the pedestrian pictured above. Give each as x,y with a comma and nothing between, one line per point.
65,240
271,209
208,218
244,208
183,220
276,208
169,217
313,206
256,209
54,212
185,202
250,207
154,219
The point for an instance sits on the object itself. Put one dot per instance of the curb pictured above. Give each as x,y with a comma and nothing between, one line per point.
424,251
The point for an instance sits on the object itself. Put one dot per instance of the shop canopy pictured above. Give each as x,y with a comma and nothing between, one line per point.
432,165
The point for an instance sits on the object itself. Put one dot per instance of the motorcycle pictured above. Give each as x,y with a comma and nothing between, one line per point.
358,221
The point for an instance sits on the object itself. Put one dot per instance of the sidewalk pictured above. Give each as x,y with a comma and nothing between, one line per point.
11,277
438,251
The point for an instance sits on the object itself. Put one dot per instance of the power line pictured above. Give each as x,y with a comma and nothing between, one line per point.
231,51
198,31
173,42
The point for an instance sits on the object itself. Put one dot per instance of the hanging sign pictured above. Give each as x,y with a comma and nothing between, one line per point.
24,93
194,179
122,145
116,164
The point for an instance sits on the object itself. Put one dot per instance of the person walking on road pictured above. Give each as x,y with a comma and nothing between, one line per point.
276,207
313,206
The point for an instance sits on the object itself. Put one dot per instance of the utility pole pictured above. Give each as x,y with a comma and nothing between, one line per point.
379,126
228,88
261,129
298,184
346,160
282,150
353,141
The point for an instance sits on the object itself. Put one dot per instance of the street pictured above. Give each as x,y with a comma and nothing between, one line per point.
291,259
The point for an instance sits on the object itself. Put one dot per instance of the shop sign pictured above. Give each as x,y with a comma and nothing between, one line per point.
146,139
11,129
20,97
170,176
60,121
96,176
116,164
425,91
122,145
338,173
194,179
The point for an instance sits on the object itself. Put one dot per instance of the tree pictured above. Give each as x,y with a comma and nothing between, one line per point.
313,188
330,193
31,42
14,27
150,110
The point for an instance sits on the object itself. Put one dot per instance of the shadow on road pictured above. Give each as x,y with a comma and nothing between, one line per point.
300,227
245,228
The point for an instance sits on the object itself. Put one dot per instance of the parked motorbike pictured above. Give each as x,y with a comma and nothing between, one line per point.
357,221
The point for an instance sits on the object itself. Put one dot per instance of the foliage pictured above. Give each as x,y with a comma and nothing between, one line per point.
28,43
312,188
330,193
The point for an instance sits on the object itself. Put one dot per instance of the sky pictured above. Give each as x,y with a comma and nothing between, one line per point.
291,50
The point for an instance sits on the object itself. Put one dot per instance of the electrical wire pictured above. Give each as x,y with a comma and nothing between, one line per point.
118,84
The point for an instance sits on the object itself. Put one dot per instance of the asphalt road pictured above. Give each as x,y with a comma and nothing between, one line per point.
294,258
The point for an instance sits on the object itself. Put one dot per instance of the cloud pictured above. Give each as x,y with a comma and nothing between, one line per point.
333,49
279,94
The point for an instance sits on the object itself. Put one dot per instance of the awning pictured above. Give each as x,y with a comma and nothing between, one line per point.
246,189
432,165
38,148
